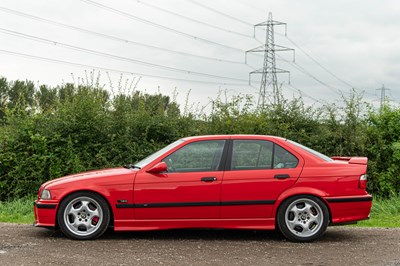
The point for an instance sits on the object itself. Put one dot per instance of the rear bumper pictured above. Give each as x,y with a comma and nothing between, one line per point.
45,213
349,208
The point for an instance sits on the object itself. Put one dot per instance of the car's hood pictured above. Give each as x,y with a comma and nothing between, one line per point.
95,174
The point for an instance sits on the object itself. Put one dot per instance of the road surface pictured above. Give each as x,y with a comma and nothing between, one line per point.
26,245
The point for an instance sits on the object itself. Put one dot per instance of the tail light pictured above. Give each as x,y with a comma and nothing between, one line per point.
362,183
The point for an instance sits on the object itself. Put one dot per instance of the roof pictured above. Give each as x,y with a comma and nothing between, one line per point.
232,136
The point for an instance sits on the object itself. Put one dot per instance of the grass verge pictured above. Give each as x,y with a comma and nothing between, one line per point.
385,212
17,211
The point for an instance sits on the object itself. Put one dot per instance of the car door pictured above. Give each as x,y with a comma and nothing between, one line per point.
258,171
189,190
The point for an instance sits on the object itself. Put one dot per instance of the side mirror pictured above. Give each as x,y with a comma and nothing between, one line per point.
158,168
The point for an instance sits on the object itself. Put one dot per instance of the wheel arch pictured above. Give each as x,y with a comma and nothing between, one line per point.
301,192
106,199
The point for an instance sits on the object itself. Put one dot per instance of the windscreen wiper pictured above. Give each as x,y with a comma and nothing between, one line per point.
131,166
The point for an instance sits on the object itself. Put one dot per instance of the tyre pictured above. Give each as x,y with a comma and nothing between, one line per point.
303,218
83,216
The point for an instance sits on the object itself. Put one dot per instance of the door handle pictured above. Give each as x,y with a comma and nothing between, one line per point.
209,179
284,176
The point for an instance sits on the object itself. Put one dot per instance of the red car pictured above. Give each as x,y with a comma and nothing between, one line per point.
231,181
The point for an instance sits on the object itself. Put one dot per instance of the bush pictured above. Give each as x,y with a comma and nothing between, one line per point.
51,132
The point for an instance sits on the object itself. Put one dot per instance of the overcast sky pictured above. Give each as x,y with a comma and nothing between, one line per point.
171,44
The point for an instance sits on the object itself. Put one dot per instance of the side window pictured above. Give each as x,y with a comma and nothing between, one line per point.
199,156
260,154
284,159
251,154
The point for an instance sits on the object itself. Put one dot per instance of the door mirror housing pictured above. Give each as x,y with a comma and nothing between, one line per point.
158,168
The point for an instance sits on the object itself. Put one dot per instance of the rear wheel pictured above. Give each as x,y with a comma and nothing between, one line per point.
83,215
303,218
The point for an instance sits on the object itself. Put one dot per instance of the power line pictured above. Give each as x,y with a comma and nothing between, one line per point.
46,59
299,67
293,88
193,20
220,13
52,42
319,64
304,71
130,16
114,38
322,66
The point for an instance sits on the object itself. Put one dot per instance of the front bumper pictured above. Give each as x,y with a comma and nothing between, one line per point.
45,212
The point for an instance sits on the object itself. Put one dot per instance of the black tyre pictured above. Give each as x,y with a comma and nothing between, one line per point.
303,218
83,216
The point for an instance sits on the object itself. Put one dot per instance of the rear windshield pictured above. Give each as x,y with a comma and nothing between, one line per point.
318,154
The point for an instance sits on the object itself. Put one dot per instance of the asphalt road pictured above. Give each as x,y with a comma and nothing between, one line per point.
26,245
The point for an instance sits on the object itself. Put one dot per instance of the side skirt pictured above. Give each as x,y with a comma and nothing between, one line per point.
145,225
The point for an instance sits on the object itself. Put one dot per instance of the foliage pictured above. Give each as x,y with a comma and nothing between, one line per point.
384,150
50,132
384,213
17,211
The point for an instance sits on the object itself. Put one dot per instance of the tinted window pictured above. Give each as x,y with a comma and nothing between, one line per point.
283,158
199,156
260,154
251,154
318,154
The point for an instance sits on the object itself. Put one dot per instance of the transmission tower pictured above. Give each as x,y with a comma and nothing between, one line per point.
269,70
383,95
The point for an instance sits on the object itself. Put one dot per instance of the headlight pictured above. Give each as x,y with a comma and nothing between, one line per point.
45,194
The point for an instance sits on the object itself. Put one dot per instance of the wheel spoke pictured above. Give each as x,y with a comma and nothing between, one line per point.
308,207
314,219
94,212
85,205
76,224
306,229
292,223
295,210
74,211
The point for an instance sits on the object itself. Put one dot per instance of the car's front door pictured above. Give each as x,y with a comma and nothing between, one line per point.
258,172
189,190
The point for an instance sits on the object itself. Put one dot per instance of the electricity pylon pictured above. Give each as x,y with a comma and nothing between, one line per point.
383,96
269,70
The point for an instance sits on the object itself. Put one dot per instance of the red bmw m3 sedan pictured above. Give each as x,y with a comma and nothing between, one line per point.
221,181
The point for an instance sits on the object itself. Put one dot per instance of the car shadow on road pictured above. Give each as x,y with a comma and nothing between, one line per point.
206,234
198,234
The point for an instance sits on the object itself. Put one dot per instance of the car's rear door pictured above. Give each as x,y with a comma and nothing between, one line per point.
258,171
189,190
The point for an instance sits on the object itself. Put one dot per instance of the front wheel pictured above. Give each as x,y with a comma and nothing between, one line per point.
303,218
83,215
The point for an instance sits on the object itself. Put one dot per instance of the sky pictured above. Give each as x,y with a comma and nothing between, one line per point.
196,48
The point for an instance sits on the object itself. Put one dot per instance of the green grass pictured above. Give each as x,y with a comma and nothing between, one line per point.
17,211
385,212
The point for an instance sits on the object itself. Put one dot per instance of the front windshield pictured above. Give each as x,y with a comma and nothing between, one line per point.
318,154
153,156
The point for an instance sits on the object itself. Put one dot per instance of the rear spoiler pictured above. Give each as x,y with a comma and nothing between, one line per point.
352,160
